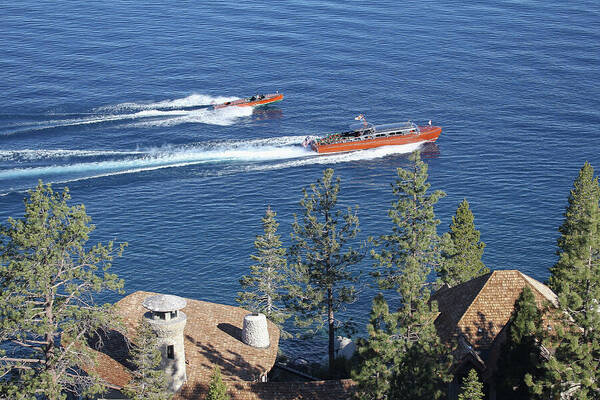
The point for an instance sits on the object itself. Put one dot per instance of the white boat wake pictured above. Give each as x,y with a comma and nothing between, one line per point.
163,113
227,157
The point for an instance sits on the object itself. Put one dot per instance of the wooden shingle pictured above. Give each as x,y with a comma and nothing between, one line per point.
480,308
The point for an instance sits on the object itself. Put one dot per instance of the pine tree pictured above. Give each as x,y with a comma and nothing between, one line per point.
47,310
393,366
148,382
407,255
266,280
575,278
472,388
217,390
520,354
462,250
373,373
421,362
321,283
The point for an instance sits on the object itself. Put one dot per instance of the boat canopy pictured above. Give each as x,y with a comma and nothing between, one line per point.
362,126
368,127
397,126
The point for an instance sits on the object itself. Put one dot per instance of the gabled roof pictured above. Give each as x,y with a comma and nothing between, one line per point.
480,308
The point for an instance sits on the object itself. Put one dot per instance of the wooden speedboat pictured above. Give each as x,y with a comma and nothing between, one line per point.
254,101
367,136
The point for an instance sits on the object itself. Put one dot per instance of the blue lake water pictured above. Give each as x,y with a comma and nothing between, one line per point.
515,85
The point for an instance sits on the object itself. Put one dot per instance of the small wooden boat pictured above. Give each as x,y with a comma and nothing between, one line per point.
367,136
254,101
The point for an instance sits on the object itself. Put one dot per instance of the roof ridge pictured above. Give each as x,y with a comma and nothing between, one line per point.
527,278
490,274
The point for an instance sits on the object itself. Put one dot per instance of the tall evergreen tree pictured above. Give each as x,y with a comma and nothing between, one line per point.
520,354
575,278
47,281
321,280
472,388
148,382
408,254
461,250
376,354
421,362
266,280
392,365
217,389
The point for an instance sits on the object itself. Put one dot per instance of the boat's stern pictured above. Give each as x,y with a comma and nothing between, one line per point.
310,142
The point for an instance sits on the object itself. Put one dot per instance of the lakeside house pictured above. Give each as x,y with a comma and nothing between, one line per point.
474,315
212,336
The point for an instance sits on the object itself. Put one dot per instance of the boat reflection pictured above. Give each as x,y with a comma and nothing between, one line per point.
260,114
430,150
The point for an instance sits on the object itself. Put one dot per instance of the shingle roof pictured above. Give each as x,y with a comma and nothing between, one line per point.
481,307
317,390
212,337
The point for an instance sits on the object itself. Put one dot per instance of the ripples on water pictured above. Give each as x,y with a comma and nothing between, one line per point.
93,98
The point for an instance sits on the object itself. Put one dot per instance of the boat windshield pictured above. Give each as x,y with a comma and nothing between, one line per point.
362,127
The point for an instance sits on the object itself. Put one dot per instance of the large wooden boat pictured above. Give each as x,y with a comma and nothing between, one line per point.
367,136
254,101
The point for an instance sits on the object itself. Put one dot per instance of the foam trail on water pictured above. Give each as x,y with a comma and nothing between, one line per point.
244,156
29,155
168,115
223,117
189,101
243,152
341,157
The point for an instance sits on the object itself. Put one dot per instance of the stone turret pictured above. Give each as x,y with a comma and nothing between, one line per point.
168,323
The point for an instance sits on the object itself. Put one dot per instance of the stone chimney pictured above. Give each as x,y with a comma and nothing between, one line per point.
168,323
255,331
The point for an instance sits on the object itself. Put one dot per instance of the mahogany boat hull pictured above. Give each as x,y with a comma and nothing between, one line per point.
267,99
426,134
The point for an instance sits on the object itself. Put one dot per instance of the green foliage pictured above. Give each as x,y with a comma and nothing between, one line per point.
373,372
407,255
575,278
461,249
472,388
148,382
217,390
321,283
404,352
266,280
520,354
394,365
422,363
47,310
